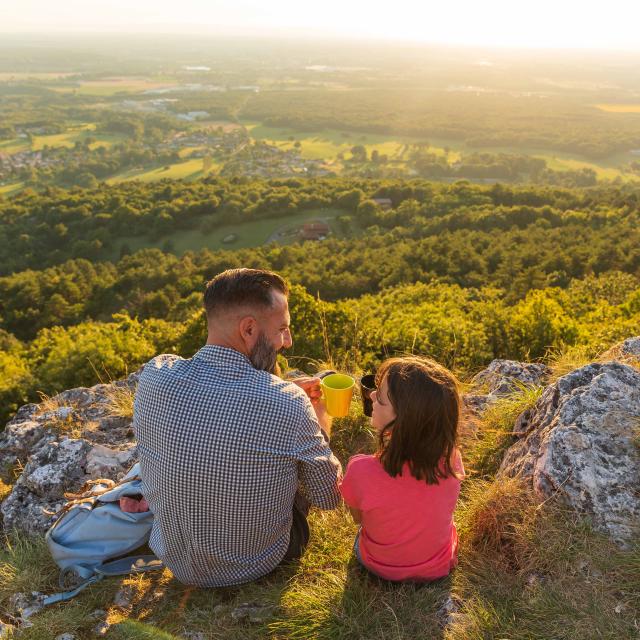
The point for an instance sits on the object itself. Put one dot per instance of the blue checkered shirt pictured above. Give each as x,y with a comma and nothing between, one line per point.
223,449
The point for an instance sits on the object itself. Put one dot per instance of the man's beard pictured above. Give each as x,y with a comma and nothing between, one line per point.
264,356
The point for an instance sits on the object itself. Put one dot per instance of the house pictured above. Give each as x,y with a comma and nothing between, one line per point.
383,203
314,231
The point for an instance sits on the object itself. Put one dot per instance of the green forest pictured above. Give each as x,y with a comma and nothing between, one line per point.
463,272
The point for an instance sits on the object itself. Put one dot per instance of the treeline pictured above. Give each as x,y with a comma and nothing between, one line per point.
463,272
477,119
43,229
514,251
464,328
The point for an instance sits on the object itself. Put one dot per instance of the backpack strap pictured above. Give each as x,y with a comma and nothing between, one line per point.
130,564
119,567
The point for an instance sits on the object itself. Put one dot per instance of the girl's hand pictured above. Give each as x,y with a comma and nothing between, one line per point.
311,386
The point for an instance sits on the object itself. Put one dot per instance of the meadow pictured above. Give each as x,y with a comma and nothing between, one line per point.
186,170
328,143
75,133
247,234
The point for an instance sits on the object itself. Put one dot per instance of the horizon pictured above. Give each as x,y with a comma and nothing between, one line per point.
496,24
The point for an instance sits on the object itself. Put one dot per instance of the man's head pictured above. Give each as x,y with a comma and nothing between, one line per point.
247,310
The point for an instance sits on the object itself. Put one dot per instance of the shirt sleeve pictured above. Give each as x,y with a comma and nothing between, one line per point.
319,470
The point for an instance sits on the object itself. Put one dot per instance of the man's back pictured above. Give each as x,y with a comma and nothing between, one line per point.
222,447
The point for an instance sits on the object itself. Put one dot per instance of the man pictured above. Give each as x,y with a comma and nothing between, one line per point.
225,445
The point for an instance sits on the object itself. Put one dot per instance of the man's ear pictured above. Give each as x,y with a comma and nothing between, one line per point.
248,326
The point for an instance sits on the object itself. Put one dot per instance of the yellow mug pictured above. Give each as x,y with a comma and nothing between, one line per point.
337,390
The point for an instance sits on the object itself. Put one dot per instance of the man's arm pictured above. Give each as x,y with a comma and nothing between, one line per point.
311,386
319,470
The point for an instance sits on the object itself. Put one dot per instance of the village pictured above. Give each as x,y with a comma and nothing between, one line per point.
231,149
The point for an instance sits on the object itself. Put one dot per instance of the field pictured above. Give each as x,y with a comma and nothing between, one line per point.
14,76
248,234
187,170
10,189
619,108
558,163
77,133
111,86
329,143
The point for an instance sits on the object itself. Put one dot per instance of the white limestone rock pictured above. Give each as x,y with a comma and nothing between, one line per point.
578,443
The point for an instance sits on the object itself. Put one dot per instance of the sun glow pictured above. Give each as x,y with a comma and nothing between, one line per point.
545,23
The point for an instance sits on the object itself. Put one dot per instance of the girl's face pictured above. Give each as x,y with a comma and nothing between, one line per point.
383,411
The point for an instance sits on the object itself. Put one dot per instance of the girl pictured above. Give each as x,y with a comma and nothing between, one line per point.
404,495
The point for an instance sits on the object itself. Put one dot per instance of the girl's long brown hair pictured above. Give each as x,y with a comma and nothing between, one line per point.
424,434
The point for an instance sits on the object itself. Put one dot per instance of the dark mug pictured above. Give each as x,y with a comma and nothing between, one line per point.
367,387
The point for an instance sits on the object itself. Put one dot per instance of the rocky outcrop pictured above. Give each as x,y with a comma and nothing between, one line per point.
501,378
579,444
627,351
58,446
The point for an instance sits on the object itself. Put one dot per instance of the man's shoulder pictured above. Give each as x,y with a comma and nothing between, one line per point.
157,366
280,390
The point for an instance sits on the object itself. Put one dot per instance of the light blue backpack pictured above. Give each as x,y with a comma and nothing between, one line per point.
92,536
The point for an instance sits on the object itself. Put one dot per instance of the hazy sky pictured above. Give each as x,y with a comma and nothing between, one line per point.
543,23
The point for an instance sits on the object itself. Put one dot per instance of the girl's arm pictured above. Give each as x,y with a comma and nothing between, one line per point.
356,514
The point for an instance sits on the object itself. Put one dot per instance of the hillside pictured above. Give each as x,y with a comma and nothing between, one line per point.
527,570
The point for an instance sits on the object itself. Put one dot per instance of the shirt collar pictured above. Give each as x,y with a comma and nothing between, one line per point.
224,356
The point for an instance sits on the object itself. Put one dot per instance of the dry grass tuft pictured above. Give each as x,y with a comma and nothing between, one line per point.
5,489
498,517
61,421
119,401
569,358
484,447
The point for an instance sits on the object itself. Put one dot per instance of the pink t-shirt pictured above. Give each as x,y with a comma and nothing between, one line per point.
407,525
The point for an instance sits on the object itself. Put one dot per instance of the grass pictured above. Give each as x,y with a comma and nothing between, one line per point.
77,133
525,572
5,489
185,170
485,446
603,171
10,189
119,401
327,144
64,422
569,358
109,86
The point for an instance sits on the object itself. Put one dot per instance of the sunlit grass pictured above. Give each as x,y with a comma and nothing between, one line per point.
484,448
248,234
570,164
119,401
569,358
11,189
524,572
189,169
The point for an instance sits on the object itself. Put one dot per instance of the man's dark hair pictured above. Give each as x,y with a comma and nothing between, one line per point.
242,287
